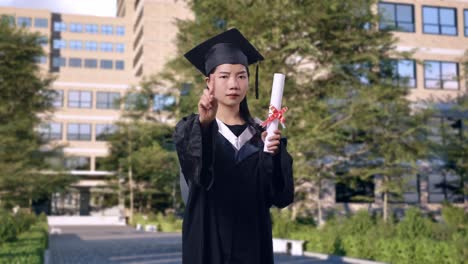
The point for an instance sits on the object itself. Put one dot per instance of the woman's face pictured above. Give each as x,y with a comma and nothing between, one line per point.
229,83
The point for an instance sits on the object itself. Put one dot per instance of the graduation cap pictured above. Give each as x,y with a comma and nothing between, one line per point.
229,47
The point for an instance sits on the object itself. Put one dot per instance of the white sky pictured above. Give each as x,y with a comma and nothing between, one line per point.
82,7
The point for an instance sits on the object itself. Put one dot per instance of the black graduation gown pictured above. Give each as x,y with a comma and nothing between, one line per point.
227,217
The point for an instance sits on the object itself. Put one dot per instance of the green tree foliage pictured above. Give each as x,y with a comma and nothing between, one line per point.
142,149
339,93
25,93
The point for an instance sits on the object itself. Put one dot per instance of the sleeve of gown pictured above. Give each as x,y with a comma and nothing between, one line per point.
194,147
282,181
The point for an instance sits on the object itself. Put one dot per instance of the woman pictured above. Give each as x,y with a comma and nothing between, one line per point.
232,182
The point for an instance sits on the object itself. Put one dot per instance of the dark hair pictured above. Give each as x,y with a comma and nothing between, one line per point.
244,108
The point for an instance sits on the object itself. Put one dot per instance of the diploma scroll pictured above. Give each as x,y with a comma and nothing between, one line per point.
275,101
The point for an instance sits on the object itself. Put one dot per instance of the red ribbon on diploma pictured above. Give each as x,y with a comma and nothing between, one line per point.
273,114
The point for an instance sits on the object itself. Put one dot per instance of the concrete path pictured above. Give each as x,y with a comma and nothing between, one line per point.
113,244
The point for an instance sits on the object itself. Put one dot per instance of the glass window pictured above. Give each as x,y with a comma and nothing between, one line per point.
60,26
119,65
107,100
91,45
8,19
23,21
120,47
439,20
92,28
136,101
58,98
76,27
355,190
398,17
41,22
106,47
59,43
466,22
43,41
162,102
401,72
440,75
79,132
90,63
78,163
75,44
51,131
80,99
74,62
41,59
445,187
58,62
106,64
103,131
120,30
107,29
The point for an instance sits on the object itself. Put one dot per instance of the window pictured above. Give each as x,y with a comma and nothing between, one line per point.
445,187
41,22
91,45
106,47
76,27
100,164
106,64
466,22
59,43
41,59
359,191
10,20
401,72
74,62
57,98
136,101
75,44
43,41
80,99
120,47
119,65
439,20
79,132
92,28
58,62
23,21
441,75
60,26
398,17
104,130
120,30
410,192
78,163
107,100
107,29
51,131
90,63
162,102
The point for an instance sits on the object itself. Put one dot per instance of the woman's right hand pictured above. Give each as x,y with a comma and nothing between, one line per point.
207,107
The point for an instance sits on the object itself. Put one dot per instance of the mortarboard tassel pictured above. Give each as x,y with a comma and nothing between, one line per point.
256,81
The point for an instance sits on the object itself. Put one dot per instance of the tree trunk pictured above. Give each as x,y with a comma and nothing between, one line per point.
385,207
319,203
130,184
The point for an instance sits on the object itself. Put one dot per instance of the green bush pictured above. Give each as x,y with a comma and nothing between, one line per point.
414,225
28,248
454,217
8,229
24,221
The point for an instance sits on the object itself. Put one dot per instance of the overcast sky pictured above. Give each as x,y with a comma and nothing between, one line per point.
83,7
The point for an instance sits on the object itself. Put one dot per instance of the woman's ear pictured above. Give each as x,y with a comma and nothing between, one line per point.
208,82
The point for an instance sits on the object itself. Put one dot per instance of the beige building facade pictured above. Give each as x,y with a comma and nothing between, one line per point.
96,61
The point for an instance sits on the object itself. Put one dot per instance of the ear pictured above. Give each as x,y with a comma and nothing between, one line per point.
208,82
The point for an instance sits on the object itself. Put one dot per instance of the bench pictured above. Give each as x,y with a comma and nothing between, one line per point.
288,246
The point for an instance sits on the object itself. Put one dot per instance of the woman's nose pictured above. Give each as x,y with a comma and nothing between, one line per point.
233,83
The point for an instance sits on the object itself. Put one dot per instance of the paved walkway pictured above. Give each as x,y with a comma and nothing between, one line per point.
102,245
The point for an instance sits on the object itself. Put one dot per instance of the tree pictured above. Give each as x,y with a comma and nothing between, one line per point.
142,146
336,89
25,94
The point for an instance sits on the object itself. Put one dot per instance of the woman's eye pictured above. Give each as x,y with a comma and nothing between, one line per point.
223,76
243,77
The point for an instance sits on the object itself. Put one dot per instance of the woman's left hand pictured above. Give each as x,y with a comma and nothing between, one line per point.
274,139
